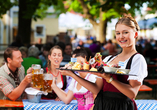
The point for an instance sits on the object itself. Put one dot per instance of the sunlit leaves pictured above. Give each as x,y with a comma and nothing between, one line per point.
75,6
110,14
94,11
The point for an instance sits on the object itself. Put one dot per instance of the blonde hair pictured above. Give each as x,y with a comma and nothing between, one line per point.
128,21
49,62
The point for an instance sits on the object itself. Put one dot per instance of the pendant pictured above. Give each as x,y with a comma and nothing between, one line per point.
56,80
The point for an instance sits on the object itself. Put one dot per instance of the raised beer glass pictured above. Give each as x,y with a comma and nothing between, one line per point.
37,77
47,82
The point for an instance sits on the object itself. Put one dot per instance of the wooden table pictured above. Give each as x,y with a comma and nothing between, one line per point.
10,104
145,88
153,83
150,80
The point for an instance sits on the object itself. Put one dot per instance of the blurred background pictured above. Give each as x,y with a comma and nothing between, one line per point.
85,22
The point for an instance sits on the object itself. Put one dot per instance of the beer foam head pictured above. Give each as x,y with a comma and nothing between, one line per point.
36,66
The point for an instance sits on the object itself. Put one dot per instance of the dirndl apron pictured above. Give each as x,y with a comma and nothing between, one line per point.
112,101
85,100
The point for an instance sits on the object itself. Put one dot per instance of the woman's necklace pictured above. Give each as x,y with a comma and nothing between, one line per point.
55,75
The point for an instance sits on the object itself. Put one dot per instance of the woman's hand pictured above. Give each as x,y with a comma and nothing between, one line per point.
103,75
67,66
53,85
66,72
57,99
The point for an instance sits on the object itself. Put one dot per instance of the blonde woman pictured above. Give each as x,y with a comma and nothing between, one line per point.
117,92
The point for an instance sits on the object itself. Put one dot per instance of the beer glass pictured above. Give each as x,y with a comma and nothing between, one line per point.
47,82
37,78
36,68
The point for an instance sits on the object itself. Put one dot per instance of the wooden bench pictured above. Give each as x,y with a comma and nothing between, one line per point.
145,88
153,83
151,80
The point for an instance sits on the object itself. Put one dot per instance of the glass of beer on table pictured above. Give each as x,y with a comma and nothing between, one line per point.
37,77
47,82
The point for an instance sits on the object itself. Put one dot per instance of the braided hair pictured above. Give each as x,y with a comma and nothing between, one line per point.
128,21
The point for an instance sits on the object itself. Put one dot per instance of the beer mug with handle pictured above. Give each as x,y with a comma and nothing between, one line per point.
37,77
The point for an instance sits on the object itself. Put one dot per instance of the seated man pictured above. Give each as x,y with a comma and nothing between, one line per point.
12,79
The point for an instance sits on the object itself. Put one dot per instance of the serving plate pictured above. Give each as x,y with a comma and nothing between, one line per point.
116,70
109,70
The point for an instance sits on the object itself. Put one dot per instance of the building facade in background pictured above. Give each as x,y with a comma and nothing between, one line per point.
40,28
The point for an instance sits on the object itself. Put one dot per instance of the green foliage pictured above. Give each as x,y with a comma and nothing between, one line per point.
110,8
56,5
110,14
30,7
5,5
41,12
153,5
75,6
94,11
38,8
60,7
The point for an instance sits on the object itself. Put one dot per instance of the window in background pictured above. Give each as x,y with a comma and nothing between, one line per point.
39,31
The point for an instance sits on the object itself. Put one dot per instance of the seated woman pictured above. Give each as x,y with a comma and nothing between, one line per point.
83,96
55,57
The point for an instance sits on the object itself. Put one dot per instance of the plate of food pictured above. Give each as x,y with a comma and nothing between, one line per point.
95,65
111,70
116,70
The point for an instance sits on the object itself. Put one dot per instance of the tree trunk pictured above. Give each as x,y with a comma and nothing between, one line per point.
24,25
102,25
101,29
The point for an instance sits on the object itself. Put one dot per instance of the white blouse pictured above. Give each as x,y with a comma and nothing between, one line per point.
73,84
138,67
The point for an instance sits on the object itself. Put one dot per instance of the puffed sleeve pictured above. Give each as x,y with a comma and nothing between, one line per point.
138,68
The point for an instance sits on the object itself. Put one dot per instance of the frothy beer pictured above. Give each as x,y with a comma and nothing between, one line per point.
36,68
37,77
47,82
37,80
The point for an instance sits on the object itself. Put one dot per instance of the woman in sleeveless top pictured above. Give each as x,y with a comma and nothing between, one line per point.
83,96
55,57
118,92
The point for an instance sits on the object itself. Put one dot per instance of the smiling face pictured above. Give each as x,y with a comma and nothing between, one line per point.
16,60
55,57
125,36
